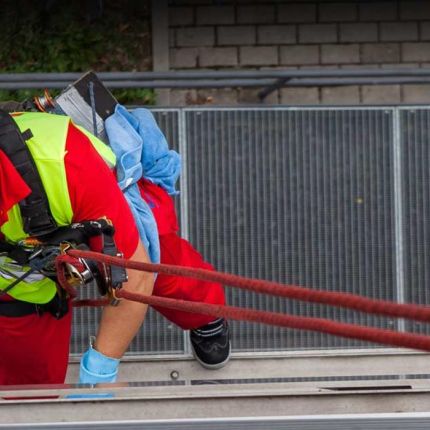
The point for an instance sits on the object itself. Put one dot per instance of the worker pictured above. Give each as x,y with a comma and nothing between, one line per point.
74,173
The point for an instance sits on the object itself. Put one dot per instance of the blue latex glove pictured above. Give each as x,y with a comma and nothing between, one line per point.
89,396
96,368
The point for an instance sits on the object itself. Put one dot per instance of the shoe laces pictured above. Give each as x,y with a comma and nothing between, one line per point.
212,329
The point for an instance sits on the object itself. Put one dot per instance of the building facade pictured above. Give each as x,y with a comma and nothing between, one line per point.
258,34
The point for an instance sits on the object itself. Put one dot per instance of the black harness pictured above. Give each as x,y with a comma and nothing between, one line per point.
41,226
35,211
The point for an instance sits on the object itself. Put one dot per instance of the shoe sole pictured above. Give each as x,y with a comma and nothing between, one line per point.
212,366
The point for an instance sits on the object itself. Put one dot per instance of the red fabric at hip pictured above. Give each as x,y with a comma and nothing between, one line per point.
175,250
34,349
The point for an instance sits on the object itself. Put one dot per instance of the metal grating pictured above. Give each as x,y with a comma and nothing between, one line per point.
415,135
296,196
330,198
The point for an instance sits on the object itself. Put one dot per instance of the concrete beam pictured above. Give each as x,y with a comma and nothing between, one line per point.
353,382
317,364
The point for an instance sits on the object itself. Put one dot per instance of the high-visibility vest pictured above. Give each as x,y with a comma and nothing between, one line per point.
47,147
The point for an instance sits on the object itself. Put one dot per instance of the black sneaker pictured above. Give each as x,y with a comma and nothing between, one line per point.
211,344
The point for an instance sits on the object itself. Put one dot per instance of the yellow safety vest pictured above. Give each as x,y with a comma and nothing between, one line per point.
47,147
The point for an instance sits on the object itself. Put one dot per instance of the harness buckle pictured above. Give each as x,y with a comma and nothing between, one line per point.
43,260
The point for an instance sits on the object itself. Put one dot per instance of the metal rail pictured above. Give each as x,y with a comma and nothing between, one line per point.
221,74
270,80
292,367
295,392
205,400
222,83
398,421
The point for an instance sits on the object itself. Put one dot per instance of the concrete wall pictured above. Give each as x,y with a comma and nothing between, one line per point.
257,34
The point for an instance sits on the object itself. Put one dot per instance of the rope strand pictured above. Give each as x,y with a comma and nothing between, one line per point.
346,300
370,334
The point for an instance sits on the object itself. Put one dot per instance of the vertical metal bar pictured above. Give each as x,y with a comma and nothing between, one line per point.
183,178
398,214
183,181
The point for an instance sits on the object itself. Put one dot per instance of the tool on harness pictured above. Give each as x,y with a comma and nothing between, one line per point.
108,278
39,254
44,103
41,260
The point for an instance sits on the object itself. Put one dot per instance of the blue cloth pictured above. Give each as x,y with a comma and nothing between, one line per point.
160,165
96,368
142,150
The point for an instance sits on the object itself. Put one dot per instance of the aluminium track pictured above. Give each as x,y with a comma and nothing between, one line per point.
297,392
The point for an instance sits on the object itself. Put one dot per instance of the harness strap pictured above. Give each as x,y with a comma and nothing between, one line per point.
18,309
35,211
16,253
57,307
116,275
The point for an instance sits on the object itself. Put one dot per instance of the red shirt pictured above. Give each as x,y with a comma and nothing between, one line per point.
12,187
94,191
162,206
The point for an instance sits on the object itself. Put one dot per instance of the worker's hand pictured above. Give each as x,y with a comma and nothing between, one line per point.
97,368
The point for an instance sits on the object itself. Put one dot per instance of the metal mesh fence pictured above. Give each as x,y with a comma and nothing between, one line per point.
415,156
326,198
301,197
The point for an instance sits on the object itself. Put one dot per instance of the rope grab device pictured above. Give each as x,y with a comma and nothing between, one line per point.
40,254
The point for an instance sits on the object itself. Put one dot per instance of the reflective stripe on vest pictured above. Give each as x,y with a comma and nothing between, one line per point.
47,147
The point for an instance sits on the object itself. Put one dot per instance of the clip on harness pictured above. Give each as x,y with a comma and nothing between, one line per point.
47,240
108,278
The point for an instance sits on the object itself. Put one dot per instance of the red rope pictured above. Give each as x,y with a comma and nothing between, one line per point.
370,334
346,300
387,337
90,303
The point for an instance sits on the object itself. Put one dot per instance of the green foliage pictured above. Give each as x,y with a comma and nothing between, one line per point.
57,36
135,96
